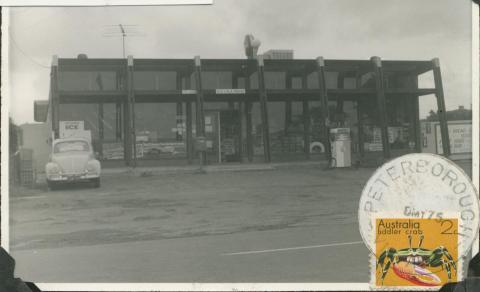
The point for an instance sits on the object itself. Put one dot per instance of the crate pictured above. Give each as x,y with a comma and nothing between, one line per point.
26,164
27,177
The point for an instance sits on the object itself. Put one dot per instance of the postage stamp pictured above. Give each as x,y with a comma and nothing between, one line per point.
418,215
414,252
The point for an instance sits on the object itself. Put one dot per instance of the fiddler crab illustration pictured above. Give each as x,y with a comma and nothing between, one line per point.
410,263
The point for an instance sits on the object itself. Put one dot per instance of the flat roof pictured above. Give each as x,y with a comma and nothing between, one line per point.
243,66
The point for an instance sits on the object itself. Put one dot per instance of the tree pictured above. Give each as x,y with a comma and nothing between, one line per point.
454,115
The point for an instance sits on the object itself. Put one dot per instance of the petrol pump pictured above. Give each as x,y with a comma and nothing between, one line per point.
341,145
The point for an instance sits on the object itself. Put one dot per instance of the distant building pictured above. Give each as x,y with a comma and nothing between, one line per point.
40,110
278,54
459,114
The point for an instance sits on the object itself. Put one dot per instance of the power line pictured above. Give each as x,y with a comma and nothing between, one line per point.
25,54
50,15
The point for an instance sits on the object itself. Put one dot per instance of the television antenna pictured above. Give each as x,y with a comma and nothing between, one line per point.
122,30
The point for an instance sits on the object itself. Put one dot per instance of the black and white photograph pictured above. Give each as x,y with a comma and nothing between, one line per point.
220,143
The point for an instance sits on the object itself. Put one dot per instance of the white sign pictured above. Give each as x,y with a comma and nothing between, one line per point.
460,138
189,91
74,129
230,91
71,126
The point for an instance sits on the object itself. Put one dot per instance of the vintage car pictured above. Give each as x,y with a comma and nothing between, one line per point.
72,160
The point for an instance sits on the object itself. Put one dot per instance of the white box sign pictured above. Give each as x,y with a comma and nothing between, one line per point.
230,91
72,125
460,138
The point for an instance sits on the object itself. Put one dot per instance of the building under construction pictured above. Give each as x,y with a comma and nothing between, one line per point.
240,110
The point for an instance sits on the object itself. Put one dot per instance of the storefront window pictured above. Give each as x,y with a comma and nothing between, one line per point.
154,80
88,80
159,130
400,128
275,80
109,122
85,120
216,80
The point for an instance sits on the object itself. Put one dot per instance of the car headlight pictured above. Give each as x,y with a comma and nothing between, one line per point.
92,166
53,168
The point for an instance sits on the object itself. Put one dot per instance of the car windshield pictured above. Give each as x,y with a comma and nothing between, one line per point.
69,146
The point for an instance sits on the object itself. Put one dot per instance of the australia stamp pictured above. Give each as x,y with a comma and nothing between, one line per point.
418,216
414,252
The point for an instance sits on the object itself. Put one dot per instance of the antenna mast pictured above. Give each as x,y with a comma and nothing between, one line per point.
121,30
123,38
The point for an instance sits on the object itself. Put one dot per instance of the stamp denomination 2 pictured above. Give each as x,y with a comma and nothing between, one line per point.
415,252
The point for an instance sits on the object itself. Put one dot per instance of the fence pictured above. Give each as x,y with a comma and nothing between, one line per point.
22,168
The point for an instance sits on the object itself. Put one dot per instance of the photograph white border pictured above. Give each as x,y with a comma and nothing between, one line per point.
205,286
475,105
196,286
5,133
101,2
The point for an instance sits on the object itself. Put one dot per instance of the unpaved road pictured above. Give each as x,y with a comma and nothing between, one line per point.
293,224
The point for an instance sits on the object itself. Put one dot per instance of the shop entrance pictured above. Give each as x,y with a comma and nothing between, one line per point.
223,135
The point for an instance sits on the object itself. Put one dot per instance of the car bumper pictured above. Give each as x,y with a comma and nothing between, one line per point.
72,177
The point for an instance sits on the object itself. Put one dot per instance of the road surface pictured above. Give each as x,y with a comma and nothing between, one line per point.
292,224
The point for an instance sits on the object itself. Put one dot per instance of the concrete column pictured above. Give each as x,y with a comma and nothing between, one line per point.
381,104
324,102
442,116
55,98
263,108
200,114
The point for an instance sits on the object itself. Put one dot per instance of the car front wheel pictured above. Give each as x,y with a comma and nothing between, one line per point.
96,182
52,185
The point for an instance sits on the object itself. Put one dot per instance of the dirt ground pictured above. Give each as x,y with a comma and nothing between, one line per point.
198,223
128,207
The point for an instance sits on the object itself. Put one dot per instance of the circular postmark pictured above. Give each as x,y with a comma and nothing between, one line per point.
420,185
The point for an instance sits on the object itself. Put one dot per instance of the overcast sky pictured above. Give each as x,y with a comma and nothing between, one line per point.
341,29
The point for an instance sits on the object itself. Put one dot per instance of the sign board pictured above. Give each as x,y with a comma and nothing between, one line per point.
189,91
230,91
74,129
200,143
460,138
71,126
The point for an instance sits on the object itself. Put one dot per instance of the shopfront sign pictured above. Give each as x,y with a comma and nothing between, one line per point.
230,91
460,138
71,125
74,129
